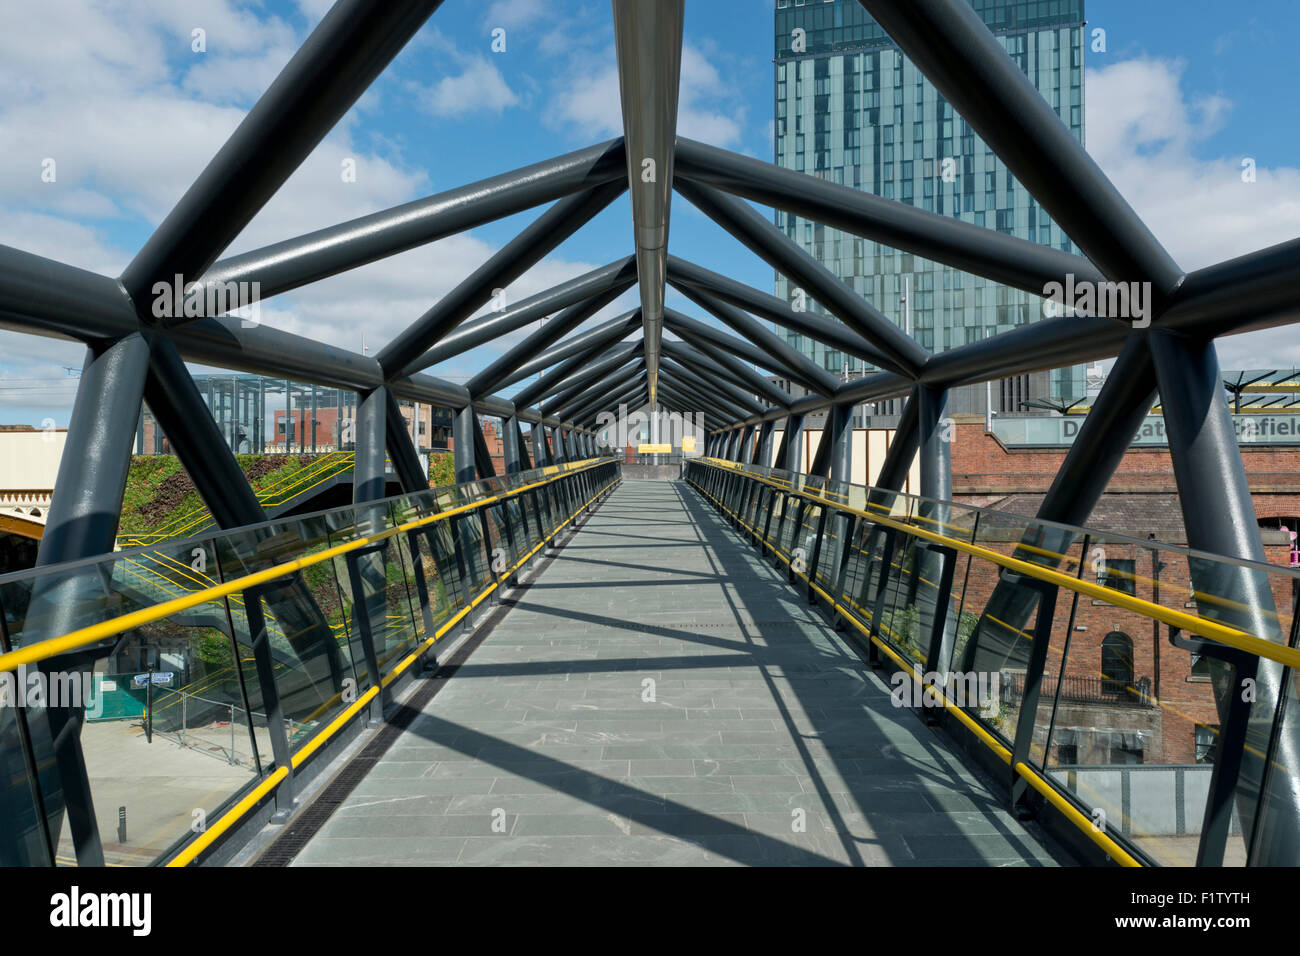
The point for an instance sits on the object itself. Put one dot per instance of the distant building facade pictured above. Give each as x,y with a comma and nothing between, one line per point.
849,107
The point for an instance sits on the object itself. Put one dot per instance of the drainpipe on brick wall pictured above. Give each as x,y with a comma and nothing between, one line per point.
1155,625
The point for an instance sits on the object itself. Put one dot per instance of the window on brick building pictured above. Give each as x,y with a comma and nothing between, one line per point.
1121,574
1200,667
1116,663
1206,737
1127,752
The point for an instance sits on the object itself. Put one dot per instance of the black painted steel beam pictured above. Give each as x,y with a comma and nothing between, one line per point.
702,400
462,445
799,366
869,388
510,445
1249,292
594,372
370,468
789,455
568,372
482,457
541,450
269,351
564,408
589,414
648,44
82,522
83,516
707,400
552,331
486,328
701,336
402,449
960,56
1046,344
766,306
902,353
292,263
184,417
605,333
841,418
763,451
703,357
723,391
334,66
1005,259
43,297
935,437
697,333
820,466
686,406
902,449
1104,438
1219,516
525,460
229,342
514,259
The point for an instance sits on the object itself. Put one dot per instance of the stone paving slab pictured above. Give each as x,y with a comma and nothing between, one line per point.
658,697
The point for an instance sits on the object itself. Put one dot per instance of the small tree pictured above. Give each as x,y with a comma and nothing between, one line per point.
442,469
214,649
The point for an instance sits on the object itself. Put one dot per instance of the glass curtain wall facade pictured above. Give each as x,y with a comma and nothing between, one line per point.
851,108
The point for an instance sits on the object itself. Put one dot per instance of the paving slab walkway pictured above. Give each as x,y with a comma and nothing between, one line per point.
658,696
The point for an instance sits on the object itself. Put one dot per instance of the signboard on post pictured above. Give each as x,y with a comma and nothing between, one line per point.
160,679
654,449
1054,432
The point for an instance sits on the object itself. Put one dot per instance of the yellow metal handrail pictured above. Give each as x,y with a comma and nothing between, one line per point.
1205,627
1111,847
93,633
193,850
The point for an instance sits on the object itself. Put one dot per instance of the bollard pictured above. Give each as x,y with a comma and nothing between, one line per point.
121,824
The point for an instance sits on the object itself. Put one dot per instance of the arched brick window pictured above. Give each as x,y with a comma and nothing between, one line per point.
1116,663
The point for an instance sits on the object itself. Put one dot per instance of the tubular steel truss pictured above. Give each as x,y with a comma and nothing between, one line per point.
133,356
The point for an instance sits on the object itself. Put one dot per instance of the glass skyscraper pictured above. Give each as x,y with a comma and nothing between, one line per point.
851,108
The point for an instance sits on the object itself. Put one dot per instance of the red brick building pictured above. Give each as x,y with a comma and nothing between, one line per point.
495,447
295,429
986,472
1128,695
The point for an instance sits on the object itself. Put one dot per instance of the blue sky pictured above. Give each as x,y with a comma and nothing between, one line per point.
114,93
1240,52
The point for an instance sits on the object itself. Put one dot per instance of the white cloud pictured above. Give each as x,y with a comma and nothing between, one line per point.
385,297
479,88
115,96
1144,131
57,238
515,13
237,78
702,116
112,91
706,110
314,10
141,148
